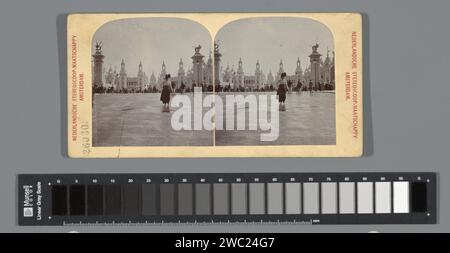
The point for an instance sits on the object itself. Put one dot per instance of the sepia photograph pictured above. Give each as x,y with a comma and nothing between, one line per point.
154,84
287,61
138,65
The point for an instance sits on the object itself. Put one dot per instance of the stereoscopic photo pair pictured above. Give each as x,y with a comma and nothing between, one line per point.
214,85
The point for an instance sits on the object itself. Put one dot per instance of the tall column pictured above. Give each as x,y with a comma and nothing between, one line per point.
298,72
315,65
332,74
258,75
326,69
217,56
197,63
98,66
240,74
140,78
180,74
123,76
280,71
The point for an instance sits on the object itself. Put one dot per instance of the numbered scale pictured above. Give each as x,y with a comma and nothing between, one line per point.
294,198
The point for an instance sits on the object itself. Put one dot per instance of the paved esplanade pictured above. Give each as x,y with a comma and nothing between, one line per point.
137,120
308,120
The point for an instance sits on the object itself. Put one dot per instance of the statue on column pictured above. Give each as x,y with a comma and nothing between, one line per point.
314,48
98,47
197,49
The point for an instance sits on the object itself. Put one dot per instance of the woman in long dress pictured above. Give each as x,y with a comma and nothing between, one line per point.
165,93
281,91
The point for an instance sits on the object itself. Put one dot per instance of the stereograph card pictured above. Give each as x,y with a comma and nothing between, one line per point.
215,85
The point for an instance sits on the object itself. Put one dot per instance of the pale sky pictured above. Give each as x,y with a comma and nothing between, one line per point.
151,40
271,39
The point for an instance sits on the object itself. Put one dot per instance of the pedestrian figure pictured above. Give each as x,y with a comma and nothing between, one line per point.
165,93
299,87
310,87
281,92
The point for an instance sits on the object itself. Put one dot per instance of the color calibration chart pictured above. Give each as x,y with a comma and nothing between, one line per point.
285,198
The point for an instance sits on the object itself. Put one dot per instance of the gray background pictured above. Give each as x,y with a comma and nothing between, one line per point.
406,99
